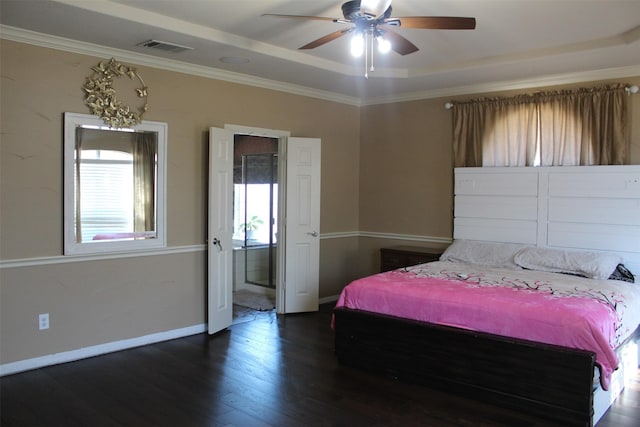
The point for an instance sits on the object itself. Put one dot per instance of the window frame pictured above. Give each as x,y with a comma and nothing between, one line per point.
71,246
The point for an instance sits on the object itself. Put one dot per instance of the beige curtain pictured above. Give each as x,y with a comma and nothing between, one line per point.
584,127
581,127
564,132
495,132
468,132
144,167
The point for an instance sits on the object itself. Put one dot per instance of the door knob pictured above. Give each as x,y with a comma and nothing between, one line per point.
216,241
313,234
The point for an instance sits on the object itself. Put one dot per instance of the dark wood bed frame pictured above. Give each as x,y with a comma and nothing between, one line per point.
539,379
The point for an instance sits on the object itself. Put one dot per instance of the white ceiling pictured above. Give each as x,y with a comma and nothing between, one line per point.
516,42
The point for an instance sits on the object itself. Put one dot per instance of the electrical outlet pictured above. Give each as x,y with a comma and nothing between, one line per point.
43,321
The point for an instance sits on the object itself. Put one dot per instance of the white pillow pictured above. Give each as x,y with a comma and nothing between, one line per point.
487,254
589,264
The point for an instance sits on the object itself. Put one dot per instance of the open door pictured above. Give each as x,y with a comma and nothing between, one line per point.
219,242
302,228
299,241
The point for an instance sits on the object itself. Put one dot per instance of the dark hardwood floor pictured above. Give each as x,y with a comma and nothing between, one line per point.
266,370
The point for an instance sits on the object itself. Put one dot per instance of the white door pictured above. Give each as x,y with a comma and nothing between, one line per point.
220,244
302,226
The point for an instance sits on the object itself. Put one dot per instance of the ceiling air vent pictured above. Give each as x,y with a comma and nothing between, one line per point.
167,47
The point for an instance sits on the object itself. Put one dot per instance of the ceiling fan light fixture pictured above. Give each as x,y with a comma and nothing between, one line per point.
357,45
371,19
384,45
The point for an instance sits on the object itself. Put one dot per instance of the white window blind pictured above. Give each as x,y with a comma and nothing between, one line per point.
106,193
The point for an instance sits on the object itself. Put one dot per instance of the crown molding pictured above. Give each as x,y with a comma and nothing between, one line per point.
83,48
548,80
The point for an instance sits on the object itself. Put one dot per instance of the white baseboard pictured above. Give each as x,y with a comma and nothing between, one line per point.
96,350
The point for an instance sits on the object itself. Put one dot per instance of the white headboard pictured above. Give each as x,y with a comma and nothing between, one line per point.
595,208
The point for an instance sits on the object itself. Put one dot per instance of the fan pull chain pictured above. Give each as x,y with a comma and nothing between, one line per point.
368,52
371,47
366,55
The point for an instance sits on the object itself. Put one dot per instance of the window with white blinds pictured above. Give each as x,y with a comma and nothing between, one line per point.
106,193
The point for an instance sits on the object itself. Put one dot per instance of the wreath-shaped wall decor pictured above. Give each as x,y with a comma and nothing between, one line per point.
100,96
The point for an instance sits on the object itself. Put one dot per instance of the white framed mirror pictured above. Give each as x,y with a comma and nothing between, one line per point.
114,186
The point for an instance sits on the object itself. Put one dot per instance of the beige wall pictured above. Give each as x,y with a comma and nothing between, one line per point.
96,302
406,173
406,177
39,85
386,171
99,301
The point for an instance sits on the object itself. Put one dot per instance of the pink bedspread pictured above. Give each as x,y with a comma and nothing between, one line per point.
544,307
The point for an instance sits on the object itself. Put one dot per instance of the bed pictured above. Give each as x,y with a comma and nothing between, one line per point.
524,231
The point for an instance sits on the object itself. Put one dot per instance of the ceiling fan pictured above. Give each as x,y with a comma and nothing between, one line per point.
371,19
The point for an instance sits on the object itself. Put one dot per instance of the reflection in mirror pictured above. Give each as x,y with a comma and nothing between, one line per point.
114,186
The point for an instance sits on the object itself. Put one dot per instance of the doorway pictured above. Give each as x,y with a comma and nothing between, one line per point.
255,222
298,246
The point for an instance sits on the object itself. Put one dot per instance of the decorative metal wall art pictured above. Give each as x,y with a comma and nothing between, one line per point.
100,95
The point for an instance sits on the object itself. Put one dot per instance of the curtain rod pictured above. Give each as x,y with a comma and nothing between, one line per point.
630,90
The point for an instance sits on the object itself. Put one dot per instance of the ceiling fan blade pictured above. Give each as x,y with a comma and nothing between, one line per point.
313,18
327,38
398,43
437,22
